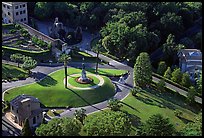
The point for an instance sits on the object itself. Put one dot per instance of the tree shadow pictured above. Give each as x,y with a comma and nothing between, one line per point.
129,106
184,120
47,81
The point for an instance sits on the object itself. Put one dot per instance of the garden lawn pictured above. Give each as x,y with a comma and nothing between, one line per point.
109,72
72,81
147,104
52,93
13,72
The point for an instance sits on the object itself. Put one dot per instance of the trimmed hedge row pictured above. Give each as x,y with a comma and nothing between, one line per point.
169,81
9,26
34,54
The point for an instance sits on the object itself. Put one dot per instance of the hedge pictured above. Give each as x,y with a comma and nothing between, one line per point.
7,25
34,54
169,81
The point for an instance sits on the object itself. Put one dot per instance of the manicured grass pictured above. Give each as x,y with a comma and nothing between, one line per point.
109,72
10,72
52,93
76,84
148,103
84,54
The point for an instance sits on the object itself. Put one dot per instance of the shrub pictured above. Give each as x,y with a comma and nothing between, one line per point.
178,113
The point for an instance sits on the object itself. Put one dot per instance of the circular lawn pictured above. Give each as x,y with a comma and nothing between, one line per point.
52,93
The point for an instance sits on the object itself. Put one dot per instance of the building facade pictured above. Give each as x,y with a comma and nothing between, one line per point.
25,106
190,61
13,12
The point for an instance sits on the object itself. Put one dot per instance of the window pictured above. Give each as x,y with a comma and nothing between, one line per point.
11,107
17,111
16,7
4,6
23,5
34,121
16,13
23,11
20,6
8,7
21,20
28,104
9,21
20,12
24,19
9,13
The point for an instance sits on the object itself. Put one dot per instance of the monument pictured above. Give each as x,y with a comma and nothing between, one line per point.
84,79
122,80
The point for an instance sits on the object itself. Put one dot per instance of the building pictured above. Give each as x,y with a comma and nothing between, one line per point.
13,12
190,60
25,106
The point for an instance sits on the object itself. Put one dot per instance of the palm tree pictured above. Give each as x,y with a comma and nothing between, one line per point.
65,58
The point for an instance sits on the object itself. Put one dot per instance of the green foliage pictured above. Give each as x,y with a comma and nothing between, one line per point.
142,70
135,90
186,82
193,128
191,95
161,68
157,125
178,113
64,126
161,85
114,104
29,64
108,123
176,75
26,131
80,115
17,58
167,73
199,84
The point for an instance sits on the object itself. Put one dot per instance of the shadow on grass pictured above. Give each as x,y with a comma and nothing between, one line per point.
174,99
84,99
47,81
184,120
130,106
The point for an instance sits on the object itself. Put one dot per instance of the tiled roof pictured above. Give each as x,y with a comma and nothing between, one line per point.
15,102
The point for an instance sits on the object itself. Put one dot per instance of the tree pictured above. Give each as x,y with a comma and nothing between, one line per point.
80,115
142,70
26,131
191,95
114,104
193,128
16,58
171,23
185,81
176,75
161,85
65,58
157,125
29,64
64,126
108,123
161,68
199,84
167,73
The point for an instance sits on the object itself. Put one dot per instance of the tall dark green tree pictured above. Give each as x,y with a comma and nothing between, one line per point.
26,131
142,70
157,125
114,104
177,75
161,68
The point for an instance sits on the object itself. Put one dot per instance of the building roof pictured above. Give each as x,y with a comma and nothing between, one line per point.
21,98
190,54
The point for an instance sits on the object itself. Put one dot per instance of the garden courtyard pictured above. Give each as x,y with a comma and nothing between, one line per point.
52,93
